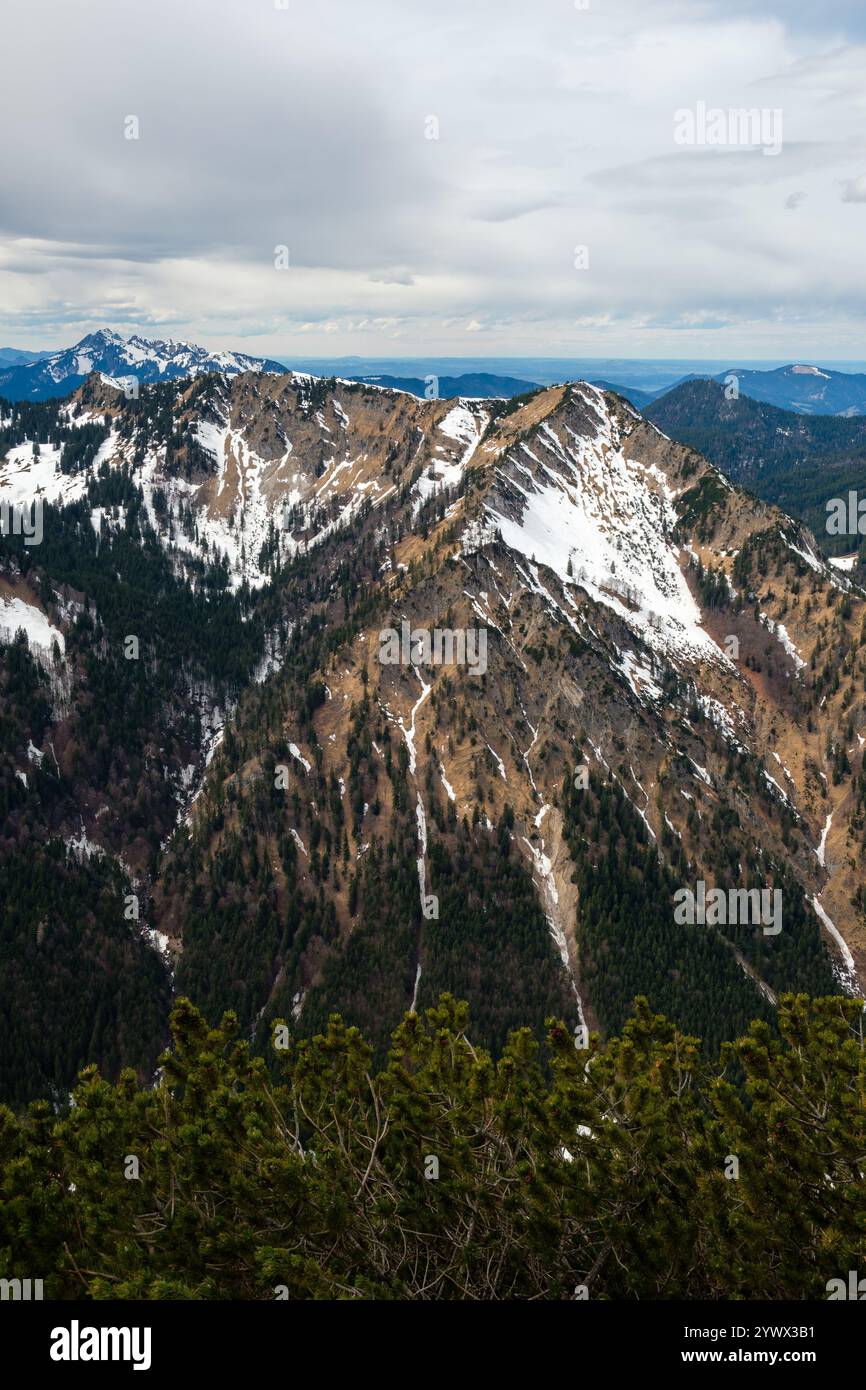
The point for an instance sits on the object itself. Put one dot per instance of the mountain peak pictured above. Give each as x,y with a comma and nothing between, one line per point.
109,353
515,591
97,337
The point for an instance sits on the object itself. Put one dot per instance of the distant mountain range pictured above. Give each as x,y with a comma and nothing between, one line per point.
39,376
808,390
107,352
17,357
477,385
634,394
803,389
796,461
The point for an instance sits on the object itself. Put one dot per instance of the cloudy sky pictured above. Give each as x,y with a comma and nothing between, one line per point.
307,124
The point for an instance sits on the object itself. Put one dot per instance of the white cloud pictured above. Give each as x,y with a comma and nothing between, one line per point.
307,127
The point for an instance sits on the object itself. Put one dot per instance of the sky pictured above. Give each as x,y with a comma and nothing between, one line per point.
407,178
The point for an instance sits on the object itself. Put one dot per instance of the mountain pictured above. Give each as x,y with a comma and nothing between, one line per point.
647,374
17,357
633,394
477,385
232,767
803,389
107,352
807,390
797,461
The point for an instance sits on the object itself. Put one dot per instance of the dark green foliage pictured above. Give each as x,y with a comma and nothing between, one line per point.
696,506
369,978
491,943
81,447
796,461
628,941
29,420
77,979
126,573
500,409
603,1172
26,707
712,586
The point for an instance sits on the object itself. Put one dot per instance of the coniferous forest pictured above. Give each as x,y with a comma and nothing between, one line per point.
630,1170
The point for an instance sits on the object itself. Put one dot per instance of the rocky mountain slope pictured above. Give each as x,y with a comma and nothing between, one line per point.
650,679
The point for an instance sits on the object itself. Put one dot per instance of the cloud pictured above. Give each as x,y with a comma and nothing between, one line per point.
854,190
307,127
393,277
508,209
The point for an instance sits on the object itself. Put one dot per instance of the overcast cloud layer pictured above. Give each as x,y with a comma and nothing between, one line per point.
307,127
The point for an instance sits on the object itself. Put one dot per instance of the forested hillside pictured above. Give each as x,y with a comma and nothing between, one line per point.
215,783
796,461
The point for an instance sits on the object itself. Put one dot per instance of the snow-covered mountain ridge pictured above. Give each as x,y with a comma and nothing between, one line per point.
641,615
116,357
